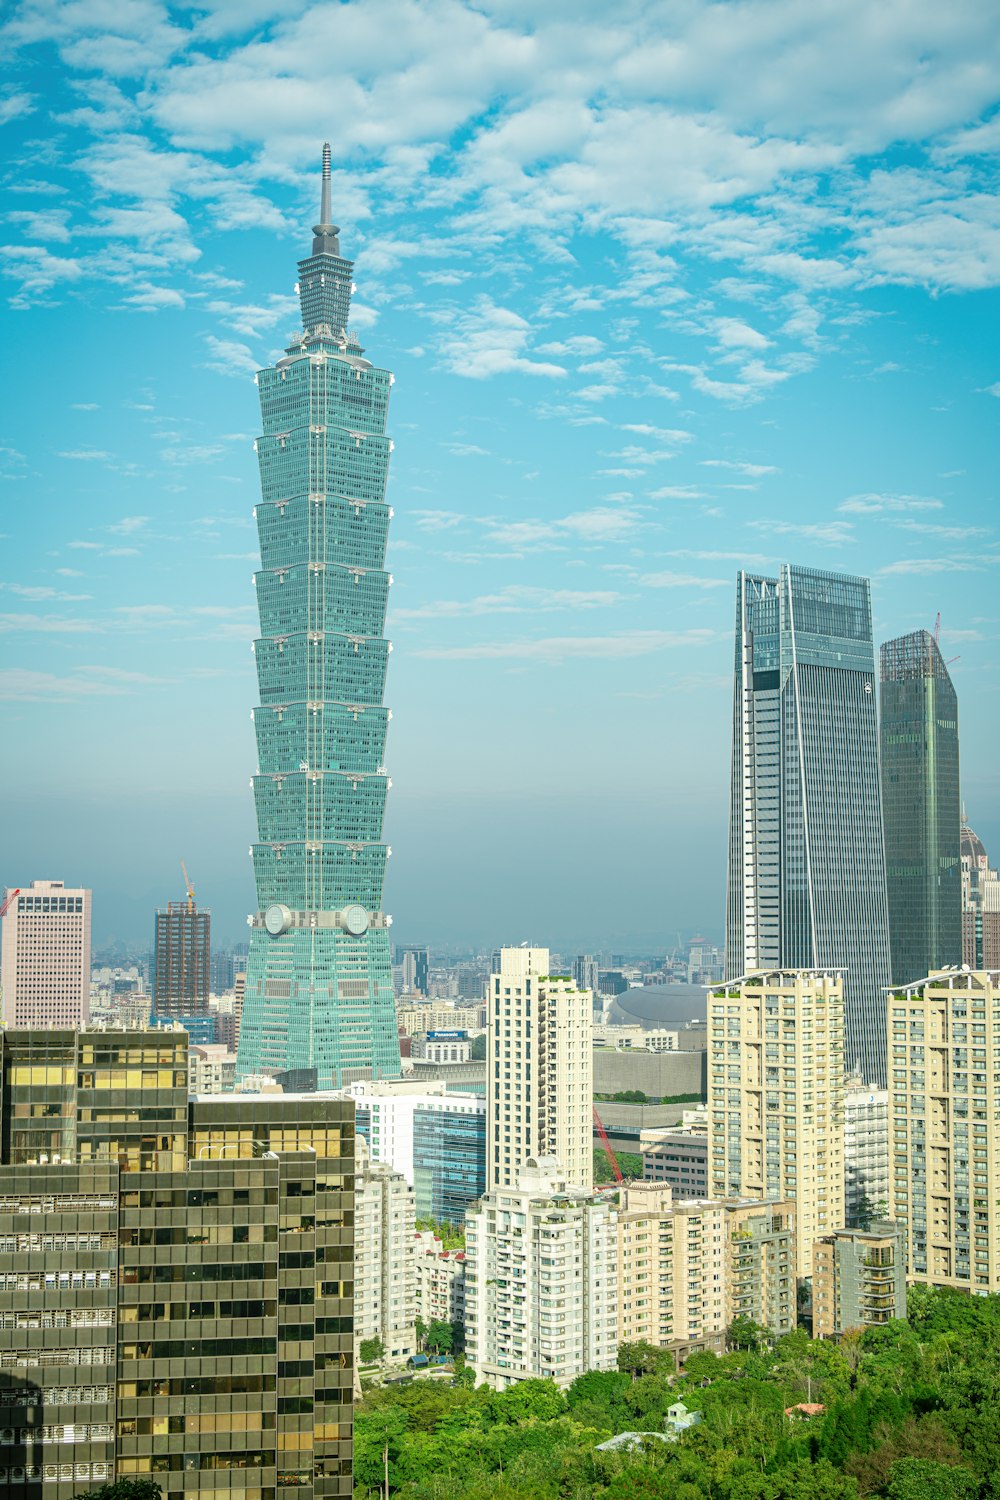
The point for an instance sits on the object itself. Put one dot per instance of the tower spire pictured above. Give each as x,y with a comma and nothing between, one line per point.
325,233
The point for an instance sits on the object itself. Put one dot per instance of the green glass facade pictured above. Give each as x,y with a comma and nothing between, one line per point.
319,981
922,801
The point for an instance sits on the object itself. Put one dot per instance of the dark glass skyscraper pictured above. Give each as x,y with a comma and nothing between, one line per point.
319,981
920,790
806,883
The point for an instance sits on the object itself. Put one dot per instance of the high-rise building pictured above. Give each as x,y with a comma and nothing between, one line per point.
46,956
439,1278
679,1159
859,1279
866,1152
182,961
540,1281
806,884
586,972
416,971
980,903
384,1249
435,1139
945,1103
176,1301
319,981
686,1270
539,1070
776,1096
922,805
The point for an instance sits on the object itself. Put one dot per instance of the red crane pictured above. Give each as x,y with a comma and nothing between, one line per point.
612,1158
8,898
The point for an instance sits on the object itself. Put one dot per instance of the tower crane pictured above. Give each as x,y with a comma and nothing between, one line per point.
612,1158
8,898
188,886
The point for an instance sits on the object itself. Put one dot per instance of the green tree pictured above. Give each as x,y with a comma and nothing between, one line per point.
124,1489
378,1446
371,1351
640,1358
922,1479
440,1336
744,1333
478,1053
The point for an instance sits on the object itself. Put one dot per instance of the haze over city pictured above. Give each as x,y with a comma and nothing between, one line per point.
661,301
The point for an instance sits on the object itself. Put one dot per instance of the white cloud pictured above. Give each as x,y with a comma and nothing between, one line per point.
552,650
229,357
752,471
827,533
514,599
681,581
487,340
86,455
47,625
874,504
129,524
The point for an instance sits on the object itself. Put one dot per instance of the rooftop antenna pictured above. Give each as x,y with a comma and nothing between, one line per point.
325,209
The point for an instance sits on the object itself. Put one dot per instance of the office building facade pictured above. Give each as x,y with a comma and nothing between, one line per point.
319,979
540,1281
435,1139
859,1279
922,806
776,1096
806,881
539,1070
46,956
945,1108
415,967
182,962
177,1292
678,1159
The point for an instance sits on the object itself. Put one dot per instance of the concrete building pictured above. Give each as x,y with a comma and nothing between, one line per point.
944,1039
539,1073
586,973
541,1281
211,1069
46,956
980,903
680,1160
416,970
182,961
686,1270
218,1362
658,1075
415,1015
776,1101
435,1139
439,1280
384,1237
442,1047
859,1279
866,1150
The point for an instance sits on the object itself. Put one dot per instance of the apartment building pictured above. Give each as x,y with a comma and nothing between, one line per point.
686,1270
859,1279
539,1070
384,1230
944,1063
541,1281
678,1158
439,1280
866,1150
776,1096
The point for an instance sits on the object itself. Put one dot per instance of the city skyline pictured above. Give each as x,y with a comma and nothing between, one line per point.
618,386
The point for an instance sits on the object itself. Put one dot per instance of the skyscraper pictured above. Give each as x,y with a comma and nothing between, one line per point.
319,981
182,961
539,1070
980,903
806,884
920,792
415,971
46,956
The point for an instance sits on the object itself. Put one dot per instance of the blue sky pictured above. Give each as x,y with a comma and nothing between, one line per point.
666,289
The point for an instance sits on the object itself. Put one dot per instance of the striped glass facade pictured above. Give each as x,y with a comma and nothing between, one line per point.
923,814
319,981
806,884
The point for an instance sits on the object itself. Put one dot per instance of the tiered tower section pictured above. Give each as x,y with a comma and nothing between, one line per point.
319,982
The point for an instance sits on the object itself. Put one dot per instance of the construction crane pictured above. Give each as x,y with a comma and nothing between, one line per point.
8,898
937,629
612,1158
188,886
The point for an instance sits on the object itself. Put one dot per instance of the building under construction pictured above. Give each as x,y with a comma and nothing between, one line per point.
182,961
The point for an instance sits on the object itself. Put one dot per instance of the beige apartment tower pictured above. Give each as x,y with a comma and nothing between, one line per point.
46,956
539,1071
687,1269
944,1099
776,1102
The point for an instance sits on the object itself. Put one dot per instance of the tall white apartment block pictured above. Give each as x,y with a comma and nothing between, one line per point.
944,1063
687,1269
539,1070
384,1239
541,1281
211,1069
866,1151
439,1276
776,1100
46,956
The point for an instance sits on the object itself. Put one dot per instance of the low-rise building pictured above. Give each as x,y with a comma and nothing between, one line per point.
211,1069
439,1280
541,1281
687,1269
384,1231
442,1046
859,1279
679,1158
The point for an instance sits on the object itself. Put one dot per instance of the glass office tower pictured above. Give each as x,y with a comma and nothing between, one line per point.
920,789
806,884
319,981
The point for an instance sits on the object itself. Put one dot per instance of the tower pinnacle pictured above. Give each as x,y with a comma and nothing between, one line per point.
325,233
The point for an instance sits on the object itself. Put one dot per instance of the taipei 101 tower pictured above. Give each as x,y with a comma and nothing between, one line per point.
319,983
